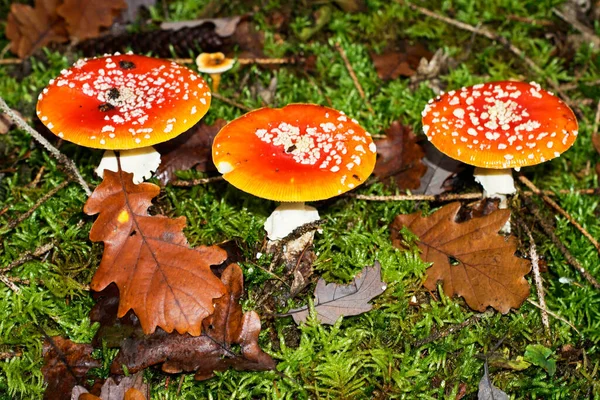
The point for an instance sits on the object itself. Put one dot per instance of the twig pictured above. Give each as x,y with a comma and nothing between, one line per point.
549,230
495,37
69,164
588,33
558,317
575,85
38,177
230,102
28,255
4,279
537,278
10,354
418,197
560,210
11,224
596,119
353,76
7,61
249,61
450,330
194,182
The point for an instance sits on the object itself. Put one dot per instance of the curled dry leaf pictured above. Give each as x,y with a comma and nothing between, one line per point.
440,168
30,28
471,259
213,349
192,149
393,64
333,300
65,365
85,18
399,158
165,281
130,388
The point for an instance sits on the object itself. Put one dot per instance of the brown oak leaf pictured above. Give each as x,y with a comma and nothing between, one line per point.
471,259
192,149
333,300
85,18
212,350
596,143
393,64
399,158
65,365
160,277
30,28
130,388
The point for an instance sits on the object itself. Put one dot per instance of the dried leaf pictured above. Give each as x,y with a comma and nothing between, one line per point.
192,149
224,27
333,300
596,141
399,158
393,64
470,258
440,168
130,388
487,391
85,18
133,8
164,281
65,365
212,350
30,28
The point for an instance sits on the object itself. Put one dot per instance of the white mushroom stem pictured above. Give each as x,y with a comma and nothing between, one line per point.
141,162
287,217
497,183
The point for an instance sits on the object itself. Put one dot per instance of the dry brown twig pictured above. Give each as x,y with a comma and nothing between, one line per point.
64,160
194,182
537,277
224,99
560,210
549,231
451,329
26,256
553,314
13,223
486,32
357,84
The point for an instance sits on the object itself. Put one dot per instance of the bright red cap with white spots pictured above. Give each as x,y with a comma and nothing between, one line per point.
123,102
500,124
301,152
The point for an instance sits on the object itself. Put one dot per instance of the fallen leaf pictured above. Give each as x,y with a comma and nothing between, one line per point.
85,18
213,350
333,300
471,259
130,388
192,149
248,40
224,27
478,209
541,356
65,365
399,158
487,391
440,168
163,280
393,64
30,28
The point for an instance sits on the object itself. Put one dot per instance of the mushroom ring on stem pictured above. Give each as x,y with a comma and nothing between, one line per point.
123,102
497,126
298,153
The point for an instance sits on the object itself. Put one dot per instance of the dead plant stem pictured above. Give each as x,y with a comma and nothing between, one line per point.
450,330
357,84
560,210
11,224
194,182
67,162
553,314
230,102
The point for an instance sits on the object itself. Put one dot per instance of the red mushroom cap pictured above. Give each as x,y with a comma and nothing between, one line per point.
123,102
301,152
500,124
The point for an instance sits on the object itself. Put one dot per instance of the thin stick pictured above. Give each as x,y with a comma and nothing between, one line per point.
537,278
28,255
4,279
353,76
195,182
8,61
588,33
11,224
38,177
69,164
450,330
559,209
596,119
495,37
230,102
248,61
553,314
549,231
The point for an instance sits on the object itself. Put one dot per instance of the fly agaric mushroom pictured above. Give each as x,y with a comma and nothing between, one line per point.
298,153
214,64
497,126
123,102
